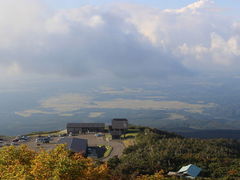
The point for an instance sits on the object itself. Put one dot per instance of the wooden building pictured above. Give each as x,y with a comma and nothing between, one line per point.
81,128
119,127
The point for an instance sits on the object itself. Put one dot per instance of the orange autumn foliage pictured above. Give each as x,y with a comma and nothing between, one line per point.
59,163
157,176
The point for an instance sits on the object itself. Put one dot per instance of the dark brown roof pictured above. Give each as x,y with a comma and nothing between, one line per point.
119,119
85,125
116,133
119,124
75,144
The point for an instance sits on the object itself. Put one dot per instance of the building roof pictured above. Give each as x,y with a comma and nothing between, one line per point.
116,133
190,170
85,125
119,119
119,124
75,144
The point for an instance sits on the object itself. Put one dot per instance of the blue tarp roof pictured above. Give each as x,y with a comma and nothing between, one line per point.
190,170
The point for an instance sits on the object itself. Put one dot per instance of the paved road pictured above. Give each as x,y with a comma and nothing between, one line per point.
117,146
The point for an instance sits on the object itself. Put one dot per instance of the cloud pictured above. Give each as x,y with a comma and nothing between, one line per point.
107,90
220,52
149,104
70,103
201,38
236,27
194,7
95,114
10,70
174,116
19,22
30,112
119,41
67,103
91,42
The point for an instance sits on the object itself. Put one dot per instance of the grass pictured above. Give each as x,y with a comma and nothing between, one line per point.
129,139
47,133
108,136
131,133
5,137
108,151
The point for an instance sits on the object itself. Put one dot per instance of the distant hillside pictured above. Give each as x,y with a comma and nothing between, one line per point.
208,134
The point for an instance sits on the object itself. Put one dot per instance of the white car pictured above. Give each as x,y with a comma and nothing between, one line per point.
22,140
13,144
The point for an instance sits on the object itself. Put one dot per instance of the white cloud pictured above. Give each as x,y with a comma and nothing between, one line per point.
95,114
17,20
107,90
148,104
219,52
236,26
124,41
174,116
194,7
30,112
68,103
10,70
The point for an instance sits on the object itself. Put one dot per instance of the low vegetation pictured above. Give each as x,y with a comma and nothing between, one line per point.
131,133
156,150
108,136
108,151
46,133
128,142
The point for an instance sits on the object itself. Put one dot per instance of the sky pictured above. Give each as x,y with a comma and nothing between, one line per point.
87,38
109,43
231,6
62,4
117,40
75,3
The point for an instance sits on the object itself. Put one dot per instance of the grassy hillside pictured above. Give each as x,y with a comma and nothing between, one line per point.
47,133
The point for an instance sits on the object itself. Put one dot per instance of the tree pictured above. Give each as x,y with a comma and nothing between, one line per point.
58,163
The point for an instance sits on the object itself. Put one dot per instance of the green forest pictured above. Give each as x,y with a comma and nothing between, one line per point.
156,150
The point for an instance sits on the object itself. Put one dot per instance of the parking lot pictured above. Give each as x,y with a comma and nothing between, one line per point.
31,143
93,141
117,145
